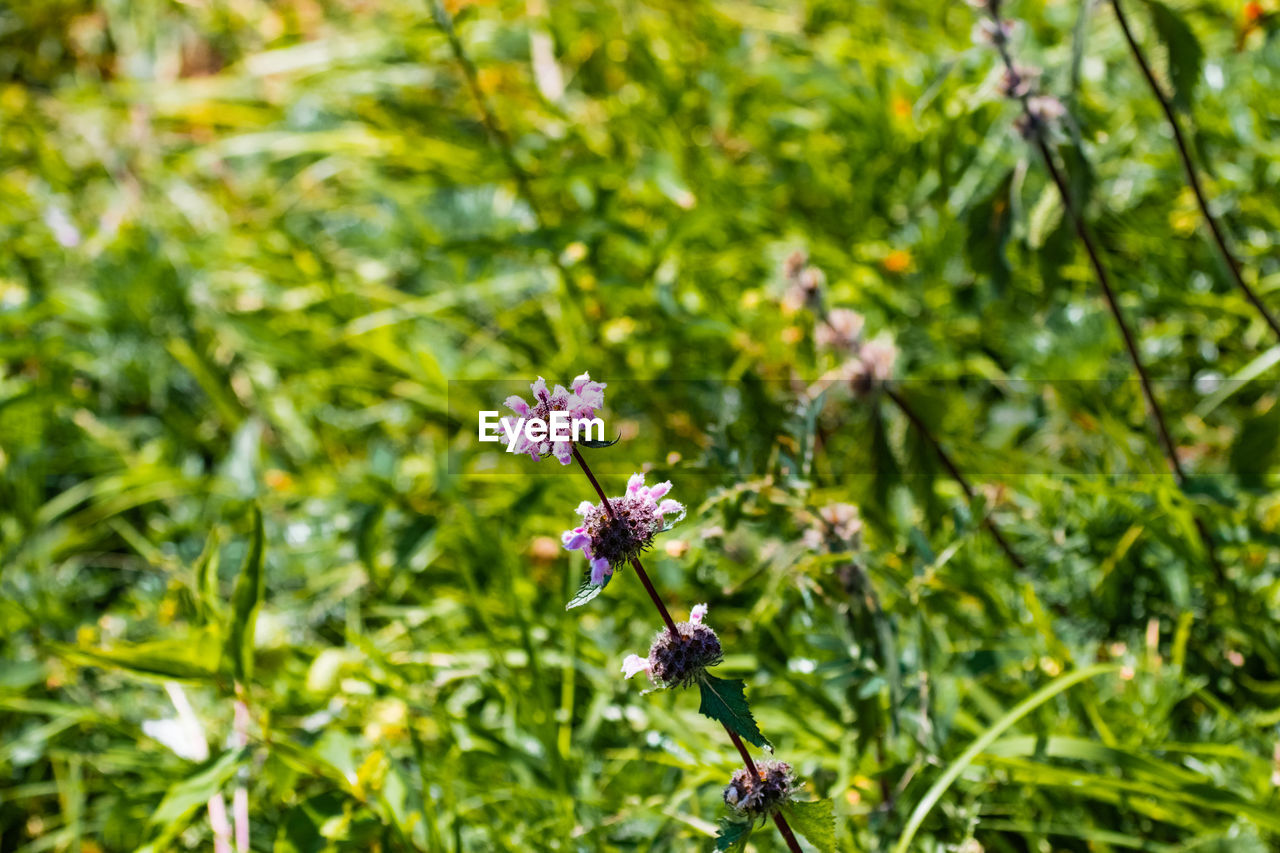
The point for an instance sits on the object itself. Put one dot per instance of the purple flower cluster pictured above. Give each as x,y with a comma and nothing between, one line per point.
610,539
580,400
678,661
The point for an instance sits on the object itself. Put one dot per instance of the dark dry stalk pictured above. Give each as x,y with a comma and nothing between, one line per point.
1035,128
954,471
1193,178
783,828
1104,281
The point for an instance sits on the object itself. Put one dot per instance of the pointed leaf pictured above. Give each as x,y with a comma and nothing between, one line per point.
733,835
1185,55
245,600
816,821
724,700
586,591
594,444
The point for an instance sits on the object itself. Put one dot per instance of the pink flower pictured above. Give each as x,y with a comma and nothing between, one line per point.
1044,110
581,402
610,541
841,330
634,664
698,613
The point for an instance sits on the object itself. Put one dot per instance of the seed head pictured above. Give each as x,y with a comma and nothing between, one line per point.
757,797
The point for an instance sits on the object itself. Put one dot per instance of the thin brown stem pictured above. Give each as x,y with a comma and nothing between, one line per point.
1193,178
1108,294
653,594
952,469
582,463
742,750
787,835
1036,131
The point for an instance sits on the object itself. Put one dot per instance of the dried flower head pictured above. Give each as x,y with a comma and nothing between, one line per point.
989,32
680,660
873,364
804,283
841,329
1042,112
580,402
838,521
1019,81
610,540
757,797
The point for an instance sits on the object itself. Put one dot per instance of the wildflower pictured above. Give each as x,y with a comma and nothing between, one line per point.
1042,112
1019,81
841,521
610,540
841,330
873,364
580,402
680,660
804,282
989,32
757,797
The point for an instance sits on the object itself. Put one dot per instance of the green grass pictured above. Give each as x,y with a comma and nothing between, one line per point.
301,261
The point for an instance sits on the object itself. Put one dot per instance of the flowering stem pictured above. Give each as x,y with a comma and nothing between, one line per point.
635,562
783,827
1193,179
1036,131
955,473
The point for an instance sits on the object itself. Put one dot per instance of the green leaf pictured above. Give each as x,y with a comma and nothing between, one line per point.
586,591
957,766
245,599
724,700
206,578
1185,56
190,658
816,821
185,797
733,835
594,444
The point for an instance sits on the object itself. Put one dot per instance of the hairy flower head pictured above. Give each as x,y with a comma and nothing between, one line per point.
610,540
841,329
678,661
580,400
757,797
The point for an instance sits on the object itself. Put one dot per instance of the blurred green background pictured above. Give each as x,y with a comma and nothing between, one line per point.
248,247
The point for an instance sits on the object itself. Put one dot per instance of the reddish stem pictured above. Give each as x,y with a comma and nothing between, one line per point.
783,827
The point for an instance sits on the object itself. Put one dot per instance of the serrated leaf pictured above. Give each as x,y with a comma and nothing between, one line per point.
724,700
733,835
245,599
1185,56
586,591
816,821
